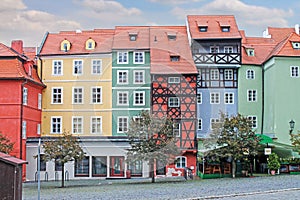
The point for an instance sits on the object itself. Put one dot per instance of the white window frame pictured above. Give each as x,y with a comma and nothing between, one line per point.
123,75
61,95
174,102
179,164
176,129
214,74
24,127
57,70
39,101
199,98
228,98
253,118
122,57
215,98
250,74
252,95
57,124
199,124
25,96
78,124
79,65
174,80
135,94
38,129
214,49
137,80
228,49
118,98
96,69
212,121
126,124
228,74
294,71
77,94
95,127
92,95
138,57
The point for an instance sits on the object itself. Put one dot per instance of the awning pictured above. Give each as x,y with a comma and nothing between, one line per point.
284,150
264,139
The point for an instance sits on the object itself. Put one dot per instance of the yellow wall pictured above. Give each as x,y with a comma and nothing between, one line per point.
67,81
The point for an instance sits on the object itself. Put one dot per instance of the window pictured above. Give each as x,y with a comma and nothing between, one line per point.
139,98
65,45
139,77
199,124
58,165
122,57
171,36
38,129
228,98
42,163
175,58
296,45
99,166
174,80
77,124
136,168
252,95
199,98
214,122
250,74
25,96
96,125
254,121
96,67
57,67
214,98
90,44
228,74
138,58
122,98
122,124
202,28
24,127
214,49
132,36
96,95
294,71
77,95
250,52
214,74
39,101
82,167
225,28
180,162
57,95
77,67
56,124
176,129
122,77
228,49
174,102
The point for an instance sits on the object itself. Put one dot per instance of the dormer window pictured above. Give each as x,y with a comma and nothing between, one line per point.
202,25
225,28
250,52
175,58
90,44
202,28
65,45
171,36
133,36
296,45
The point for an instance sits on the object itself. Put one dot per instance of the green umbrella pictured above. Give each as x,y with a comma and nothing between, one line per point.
264,139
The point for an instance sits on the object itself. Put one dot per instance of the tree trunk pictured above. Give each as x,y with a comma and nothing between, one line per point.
63,175
152,171
233,169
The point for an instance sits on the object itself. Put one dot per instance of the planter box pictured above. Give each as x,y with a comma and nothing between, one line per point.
210,176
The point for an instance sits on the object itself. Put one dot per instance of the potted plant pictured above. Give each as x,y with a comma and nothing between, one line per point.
273,163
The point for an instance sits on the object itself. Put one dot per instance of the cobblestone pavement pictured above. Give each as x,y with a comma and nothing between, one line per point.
268,187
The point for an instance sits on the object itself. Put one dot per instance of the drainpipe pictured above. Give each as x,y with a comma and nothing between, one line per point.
21,120
262,99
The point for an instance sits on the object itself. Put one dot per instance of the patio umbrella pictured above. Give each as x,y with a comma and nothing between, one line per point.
264,139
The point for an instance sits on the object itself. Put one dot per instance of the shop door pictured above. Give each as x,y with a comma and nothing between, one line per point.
117,164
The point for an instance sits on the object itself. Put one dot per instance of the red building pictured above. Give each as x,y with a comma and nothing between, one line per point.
20,96
174,80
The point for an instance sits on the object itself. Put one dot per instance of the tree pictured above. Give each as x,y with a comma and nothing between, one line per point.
63,149
5,145
295,140
232,138
151,139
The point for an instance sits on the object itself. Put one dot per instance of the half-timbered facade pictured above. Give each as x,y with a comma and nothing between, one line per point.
174,78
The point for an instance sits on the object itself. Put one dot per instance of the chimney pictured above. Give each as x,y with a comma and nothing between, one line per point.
297,28
17,45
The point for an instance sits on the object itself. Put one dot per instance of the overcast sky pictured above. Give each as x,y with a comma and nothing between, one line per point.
29,20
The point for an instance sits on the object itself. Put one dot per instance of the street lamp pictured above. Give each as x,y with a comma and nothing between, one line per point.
292,125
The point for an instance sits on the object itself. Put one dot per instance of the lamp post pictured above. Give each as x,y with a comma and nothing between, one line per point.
292,125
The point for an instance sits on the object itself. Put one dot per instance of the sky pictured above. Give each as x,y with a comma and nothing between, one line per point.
29,20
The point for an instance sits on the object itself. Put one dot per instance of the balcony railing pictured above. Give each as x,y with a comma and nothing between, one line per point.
217,58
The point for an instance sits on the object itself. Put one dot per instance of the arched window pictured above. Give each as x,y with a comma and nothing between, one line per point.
180,162
90,44
65,45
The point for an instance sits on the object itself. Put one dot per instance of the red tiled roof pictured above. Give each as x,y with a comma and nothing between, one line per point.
122,40
278,34
214,23
162,48
102,37
6,51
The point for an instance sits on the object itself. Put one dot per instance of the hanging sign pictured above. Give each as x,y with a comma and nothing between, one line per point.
268,151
